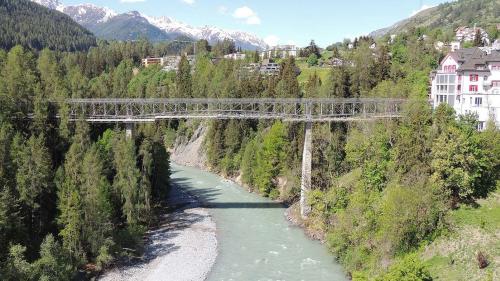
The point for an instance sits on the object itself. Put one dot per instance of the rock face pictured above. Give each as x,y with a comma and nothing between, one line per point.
189,153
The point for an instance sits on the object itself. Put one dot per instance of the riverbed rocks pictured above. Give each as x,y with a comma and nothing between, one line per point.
183,248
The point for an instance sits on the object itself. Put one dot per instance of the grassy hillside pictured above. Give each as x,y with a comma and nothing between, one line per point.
36,27
307,71
453,257
484,13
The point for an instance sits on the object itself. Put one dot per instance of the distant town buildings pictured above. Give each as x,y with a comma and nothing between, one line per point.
469,81
168,63
269,67
280,51
467,34
235,56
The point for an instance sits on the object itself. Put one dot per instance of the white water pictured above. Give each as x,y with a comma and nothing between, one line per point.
255,240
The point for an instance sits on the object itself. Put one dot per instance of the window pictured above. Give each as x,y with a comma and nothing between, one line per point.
442,89
474,77
480,126
495,83
441,98
473,88
478,101
450,68
458,98
459,88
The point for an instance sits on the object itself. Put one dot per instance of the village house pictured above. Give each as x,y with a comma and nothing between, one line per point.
469,81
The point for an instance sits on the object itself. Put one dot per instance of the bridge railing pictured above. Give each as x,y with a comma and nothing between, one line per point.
148,110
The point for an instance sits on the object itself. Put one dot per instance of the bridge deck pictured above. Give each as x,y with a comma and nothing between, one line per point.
150,110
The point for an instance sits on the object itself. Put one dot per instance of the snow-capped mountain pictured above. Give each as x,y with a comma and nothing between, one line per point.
105,23
52,4
88,14
209,33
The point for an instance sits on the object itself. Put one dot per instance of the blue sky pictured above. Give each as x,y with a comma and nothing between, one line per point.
279,21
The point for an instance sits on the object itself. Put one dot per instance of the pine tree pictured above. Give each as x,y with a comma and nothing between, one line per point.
127,178
144,204
97,207
183,81
34,184
70,201
249,163
270,159
17,86
289,87
121,78
53,263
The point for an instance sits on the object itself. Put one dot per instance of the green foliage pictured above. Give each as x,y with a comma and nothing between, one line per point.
249,163
408,269
126,181
53,263
270,158
312,60
184,81
36,27
458,163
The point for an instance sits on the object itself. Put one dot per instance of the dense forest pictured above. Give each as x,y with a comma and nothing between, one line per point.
25,23
71,194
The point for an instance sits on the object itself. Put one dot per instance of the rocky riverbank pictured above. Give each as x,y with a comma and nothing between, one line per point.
184,247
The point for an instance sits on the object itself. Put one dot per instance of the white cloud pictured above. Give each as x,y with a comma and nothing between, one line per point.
189,2
247,15
272,40
132,1
222,10
423,8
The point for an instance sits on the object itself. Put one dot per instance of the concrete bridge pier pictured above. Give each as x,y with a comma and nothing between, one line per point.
305,184
129,130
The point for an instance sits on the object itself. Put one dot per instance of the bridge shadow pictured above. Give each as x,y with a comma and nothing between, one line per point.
207,197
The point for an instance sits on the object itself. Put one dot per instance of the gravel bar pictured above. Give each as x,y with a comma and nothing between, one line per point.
183,248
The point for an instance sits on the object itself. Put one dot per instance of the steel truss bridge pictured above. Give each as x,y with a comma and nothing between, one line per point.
151,110
131,111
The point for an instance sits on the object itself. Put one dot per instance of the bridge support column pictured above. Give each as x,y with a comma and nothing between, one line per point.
129,130
305,184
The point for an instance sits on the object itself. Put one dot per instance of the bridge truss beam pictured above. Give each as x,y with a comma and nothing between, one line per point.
150,110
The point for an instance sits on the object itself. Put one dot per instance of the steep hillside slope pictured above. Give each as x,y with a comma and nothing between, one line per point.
36,27
484,13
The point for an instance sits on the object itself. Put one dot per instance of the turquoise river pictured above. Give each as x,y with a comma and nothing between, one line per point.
255,241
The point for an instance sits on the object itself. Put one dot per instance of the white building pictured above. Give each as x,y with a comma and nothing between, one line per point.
281,51
469,81
169,63
236,56
455,46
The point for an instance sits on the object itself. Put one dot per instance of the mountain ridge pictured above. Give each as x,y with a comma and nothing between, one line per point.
108,24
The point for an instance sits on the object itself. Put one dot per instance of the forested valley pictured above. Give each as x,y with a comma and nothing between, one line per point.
79,196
